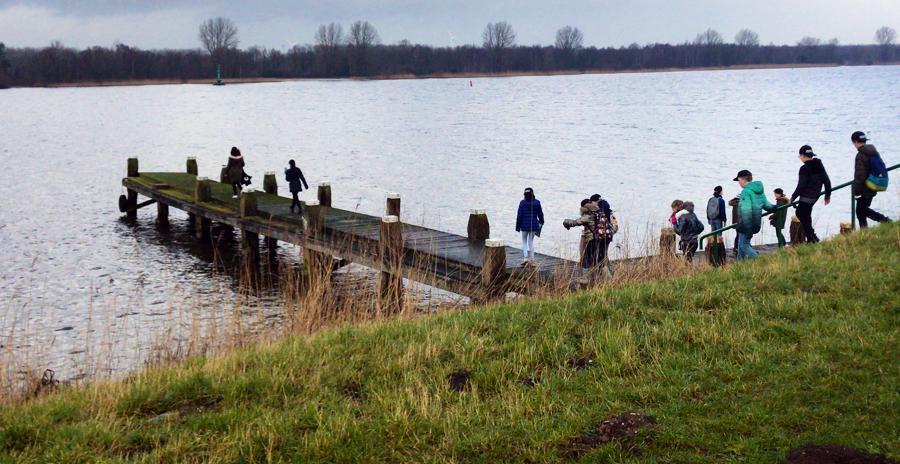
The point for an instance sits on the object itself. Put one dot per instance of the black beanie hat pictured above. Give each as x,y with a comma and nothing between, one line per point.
859,136
807,150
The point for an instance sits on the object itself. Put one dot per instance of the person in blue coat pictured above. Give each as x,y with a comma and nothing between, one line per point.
529,222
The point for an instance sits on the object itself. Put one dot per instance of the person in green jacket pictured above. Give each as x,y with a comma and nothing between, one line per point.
778,219
751,202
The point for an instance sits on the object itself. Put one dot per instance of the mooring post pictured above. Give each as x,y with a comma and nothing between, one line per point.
846,228
392,205
667,242
715,250
390,279
133,167
192,165
479,228
796,232
131,213
223,175
202,193
493,272
318,264
270,186
249,240
315,217
324,194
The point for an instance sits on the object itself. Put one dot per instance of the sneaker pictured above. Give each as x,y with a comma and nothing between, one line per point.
234,196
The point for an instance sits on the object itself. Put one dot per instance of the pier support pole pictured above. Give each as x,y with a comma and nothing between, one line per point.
131,194
390,279
479,228
324,194
249,240
392,205
494,278
317,264
162,213
270,186
667,242
202,193
191,165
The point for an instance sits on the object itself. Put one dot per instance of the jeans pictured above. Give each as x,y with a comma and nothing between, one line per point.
528,244
864,211
804,214
745,251
716,224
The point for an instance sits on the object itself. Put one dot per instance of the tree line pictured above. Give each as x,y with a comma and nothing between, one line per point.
360,53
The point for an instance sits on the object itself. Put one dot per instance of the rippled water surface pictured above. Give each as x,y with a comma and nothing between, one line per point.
641,140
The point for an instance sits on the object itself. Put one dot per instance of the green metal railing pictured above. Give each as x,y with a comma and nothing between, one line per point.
789,205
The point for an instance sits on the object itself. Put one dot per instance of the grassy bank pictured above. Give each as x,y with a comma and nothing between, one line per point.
741,364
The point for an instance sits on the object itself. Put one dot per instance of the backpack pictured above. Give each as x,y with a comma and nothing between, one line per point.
698,226
601,226
712,209
878,175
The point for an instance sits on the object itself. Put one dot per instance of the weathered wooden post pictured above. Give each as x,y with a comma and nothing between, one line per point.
493,272
162,213
324,194
392,205
318,264
192,165
479,228
667,242
270,186
132,195
315,218
223,175
202,193
715,250
249,240
846,228
390,279
796,232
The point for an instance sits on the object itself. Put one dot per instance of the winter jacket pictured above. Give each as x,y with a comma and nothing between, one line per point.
778,218
530,217
235,169
721,202
687,225
861,171
809,184
295,179
751,202
586,220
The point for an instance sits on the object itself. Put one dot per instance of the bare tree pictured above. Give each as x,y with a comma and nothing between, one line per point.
709,37
329,36
885,35
497,36
569,38
834,42
747,38
218,34
362,35
808,41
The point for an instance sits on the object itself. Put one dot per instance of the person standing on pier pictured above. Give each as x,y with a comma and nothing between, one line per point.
235,170
529,221
297,183
751,202
608,225
589,244
715,209
869,178
809,186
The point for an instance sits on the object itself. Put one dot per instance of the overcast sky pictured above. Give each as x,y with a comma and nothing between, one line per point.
283,23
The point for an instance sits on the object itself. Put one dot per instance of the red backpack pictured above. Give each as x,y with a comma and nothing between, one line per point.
601,226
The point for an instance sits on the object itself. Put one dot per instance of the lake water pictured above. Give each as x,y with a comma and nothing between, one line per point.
73,272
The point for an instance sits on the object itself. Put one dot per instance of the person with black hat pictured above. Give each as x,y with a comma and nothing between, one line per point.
811,179
529,221
715,209
751,202
778,218
867,158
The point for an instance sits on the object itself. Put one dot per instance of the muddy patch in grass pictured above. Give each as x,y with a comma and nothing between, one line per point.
353,390
580,363
830,454
529,381
459,380
619,429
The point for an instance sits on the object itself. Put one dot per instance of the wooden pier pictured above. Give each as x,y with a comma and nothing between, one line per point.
474,265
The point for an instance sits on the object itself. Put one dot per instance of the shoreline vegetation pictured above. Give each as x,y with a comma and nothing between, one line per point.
757,361
463,75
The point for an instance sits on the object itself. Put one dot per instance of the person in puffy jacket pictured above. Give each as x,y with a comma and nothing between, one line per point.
688,227
589,246
863,194
810,181
529,221
235,171
751,202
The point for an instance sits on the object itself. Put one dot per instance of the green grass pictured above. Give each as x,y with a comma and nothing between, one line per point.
736,365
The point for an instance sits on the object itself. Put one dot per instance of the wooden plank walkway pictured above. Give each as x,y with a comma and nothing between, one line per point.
430,256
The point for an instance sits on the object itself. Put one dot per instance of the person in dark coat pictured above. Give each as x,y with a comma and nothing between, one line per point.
688,227
778,218
529,221
811,179
235,171
863,194
294,176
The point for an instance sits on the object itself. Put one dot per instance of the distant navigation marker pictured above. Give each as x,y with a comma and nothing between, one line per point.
218,75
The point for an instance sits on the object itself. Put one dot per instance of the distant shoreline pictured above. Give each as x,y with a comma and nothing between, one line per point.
471,75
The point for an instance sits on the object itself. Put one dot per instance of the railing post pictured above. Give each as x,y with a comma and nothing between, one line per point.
392,204
324,194
390,279
493,272
191,165
479,228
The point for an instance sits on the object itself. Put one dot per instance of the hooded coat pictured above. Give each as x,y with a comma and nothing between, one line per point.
687,225
751,202
235,169
861,170
586,220
811,179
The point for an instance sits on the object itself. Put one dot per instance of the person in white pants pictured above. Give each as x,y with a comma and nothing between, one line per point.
529,221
